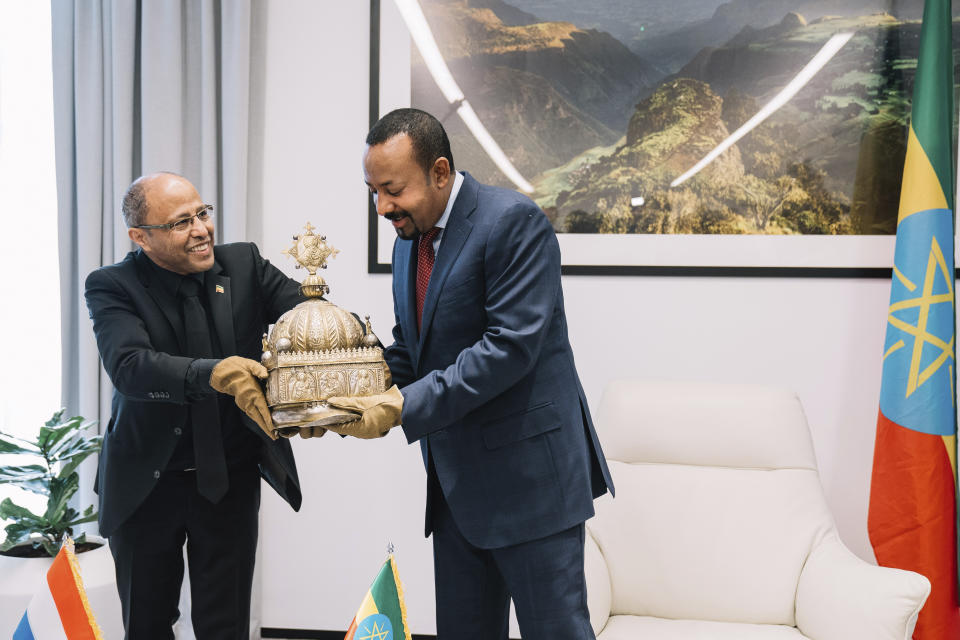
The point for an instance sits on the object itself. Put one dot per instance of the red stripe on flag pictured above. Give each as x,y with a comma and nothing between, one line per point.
63,588
352,630
912,520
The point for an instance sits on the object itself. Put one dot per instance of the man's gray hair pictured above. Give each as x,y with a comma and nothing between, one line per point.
134,203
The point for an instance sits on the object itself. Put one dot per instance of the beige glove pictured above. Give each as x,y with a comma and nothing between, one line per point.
312,432
379,414
304,432
240,378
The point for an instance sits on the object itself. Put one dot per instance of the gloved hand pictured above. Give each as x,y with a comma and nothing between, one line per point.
240,377
312,432
304,432
379,414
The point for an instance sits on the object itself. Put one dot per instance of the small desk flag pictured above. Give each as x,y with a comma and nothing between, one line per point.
59,609
382,614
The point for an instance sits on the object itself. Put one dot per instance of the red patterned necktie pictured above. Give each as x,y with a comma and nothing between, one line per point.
424,269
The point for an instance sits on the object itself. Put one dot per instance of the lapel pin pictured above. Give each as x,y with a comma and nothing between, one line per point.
219,289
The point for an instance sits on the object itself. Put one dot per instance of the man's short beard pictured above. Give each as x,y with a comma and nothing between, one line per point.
393,217
411,236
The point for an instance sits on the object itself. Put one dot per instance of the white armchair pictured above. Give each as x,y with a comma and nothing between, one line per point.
720,528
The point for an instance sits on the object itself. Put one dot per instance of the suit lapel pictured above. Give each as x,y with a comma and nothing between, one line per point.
454,236
405,272
218,295
168,305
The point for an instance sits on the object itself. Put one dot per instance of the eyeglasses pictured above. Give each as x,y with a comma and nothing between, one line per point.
205,213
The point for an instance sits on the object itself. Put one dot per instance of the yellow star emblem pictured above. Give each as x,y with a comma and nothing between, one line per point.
924,302
377,633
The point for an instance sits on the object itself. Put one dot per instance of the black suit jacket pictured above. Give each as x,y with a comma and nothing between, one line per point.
137,327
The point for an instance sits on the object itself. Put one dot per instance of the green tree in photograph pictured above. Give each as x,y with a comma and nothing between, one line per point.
579,221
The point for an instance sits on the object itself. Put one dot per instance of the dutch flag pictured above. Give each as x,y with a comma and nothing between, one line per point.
59,610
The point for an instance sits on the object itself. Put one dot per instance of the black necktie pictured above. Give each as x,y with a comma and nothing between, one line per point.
204,415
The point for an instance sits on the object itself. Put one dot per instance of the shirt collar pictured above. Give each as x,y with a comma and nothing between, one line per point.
170,281
457,183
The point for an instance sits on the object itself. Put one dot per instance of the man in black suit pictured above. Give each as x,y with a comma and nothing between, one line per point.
176,321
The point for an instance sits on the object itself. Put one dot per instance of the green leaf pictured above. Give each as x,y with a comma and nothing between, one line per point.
44,436
76,447
86,518
70,436
70,466
11,511
56,419
17,533
21,473
50,434
22,528
14,445
61,490
39,485
50,546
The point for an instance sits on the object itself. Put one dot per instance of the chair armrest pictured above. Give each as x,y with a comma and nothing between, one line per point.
840,596
597,576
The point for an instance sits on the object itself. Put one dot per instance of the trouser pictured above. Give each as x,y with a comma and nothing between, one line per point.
221,544
474,586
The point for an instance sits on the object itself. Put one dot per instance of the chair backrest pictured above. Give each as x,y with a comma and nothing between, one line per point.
718,500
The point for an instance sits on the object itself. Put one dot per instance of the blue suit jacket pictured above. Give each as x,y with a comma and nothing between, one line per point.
490,387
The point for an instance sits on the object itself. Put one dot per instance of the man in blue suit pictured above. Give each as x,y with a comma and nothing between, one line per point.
485,380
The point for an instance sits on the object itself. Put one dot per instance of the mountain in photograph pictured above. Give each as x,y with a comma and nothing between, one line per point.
672,48
523,112
626,20
826,163
511,15
601,132
527,81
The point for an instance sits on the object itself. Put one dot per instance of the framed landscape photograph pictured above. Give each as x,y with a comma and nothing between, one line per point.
672,137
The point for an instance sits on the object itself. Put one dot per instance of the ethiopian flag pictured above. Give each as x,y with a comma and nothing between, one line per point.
913,495
382,615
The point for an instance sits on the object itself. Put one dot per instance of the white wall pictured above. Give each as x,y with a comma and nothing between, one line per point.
820,337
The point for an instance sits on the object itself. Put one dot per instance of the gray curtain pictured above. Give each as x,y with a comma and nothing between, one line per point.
140,86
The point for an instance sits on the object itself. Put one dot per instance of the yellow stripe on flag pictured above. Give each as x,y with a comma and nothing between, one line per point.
921,188
950,442
403,606
367,608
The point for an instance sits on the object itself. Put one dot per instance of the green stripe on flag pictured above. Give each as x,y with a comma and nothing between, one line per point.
384,592
933,87
387,595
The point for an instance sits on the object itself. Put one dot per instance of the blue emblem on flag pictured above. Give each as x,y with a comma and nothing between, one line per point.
918,360
375,627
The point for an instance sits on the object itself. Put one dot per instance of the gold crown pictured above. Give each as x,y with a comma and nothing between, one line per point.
318,350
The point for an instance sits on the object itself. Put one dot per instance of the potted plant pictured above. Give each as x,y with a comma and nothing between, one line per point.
60,443
47,466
